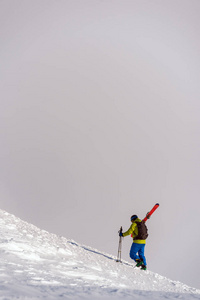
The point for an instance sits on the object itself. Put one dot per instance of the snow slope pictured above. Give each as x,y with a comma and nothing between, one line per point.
38,265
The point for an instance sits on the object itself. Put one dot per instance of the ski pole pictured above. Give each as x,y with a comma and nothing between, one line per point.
119,254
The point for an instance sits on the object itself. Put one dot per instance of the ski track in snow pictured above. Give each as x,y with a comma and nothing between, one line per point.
38,265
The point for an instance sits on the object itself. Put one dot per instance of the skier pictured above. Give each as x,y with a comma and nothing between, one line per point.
138,231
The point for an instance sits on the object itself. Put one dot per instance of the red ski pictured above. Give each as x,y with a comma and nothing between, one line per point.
151,212
148,215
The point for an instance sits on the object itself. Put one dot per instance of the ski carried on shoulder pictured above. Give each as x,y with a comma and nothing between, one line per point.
148,215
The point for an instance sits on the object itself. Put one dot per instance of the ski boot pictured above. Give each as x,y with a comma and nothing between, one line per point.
139,263
143,267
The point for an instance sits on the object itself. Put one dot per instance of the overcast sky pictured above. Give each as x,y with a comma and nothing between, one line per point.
100,119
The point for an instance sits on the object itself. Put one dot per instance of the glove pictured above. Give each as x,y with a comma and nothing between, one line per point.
148,216
120,233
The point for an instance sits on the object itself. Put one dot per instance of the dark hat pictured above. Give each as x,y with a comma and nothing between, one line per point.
134,217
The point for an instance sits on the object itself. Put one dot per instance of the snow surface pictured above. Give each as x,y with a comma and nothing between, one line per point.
36,264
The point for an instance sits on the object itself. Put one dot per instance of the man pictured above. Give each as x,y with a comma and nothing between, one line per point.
138,231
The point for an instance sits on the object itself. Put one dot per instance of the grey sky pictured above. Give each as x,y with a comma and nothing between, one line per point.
100,119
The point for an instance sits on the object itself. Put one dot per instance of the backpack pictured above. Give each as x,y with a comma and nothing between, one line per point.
142,231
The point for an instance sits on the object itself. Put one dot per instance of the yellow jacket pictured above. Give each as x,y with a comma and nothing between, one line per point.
134,231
